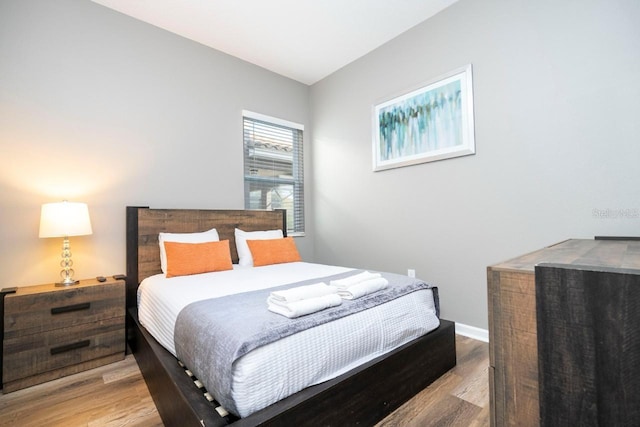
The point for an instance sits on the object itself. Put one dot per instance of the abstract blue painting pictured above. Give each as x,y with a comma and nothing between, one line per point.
431,123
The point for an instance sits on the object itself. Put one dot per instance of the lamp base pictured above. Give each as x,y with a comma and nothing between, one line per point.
66,282
67,272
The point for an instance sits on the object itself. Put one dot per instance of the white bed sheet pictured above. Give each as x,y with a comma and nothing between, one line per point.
258,376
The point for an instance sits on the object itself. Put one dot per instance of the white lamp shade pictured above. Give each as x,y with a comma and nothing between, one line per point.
63,219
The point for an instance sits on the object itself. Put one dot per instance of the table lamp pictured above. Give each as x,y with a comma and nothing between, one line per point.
65,219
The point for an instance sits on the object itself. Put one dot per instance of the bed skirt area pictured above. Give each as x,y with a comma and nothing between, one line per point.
362,396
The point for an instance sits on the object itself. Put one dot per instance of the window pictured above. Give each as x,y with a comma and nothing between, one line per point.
273,167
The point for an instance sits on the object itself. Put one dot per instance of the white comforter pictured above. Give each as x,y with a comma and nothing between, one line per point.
303,359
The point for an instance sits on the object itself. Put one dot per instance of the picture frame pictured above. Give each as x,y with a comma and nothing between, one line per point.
433,122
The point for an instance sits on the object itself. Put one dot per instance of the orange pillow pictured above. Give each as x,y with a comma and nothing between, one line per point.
273,251
193,258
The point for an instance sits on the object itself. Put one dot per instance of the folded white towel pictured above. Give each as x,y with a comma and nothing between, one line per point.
355,279
363,288
303,292
305,306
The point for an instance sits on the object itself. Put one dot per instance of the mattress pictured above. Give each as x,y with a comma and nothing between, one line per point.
305,358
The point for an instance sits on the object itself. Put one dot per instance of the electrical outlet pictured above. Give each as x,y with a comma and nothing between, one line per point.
411,272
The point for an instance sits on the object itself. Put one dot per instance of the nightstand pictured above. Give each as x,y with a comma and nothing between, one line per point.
52,331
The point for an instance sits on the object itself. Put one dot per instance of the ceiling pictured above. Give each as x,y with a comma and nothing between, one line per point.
305,40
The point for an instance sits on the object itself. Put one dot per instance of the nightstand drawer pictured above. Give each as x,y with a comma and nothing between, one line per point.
33,354
46,311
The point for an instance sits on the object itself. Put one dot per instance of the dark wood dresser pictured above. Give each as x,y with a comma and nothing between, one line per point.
513,325
52,331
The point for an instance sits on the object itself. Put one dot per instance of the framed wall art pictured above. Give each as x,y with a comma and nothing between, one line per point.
431,123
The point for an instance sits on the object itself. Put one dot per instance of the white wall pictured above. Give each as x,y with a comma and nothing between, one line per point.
101,108
557,98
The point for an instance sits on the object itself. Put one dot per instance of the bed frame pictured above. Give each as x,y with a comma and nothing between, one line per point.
362,396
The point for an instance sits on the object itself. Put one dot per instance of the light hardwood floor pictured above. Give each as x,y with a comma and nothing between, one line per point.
116,395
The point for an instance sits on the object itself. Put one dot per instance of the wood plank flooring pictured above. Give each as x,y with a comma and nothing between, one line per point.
116,395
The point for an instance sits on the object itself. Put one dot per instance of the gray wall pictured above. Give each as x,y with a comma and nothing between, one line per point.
557,98
101,108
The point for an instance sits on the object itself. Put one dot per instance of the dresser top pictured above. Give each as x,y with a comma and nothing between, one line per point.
51,287
585,252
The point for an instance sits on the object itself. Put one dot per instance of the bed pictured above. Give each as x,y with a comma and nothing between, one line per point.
361,396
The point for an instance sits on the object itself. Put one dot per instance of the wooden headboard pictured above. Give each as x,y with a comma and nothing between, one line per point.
144,224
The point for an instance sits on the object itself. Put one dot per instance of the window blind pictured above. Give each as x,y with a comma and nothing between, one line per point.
273,167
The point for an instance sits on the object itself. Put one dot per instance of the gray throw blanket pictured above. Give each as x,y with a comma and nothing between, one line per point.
211,334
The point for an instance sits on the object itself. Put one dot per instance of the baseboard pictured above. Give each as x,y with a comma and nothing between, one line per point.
472,332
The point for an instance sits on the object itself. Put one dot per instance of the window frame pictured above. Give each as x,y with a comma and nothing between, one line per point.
296,181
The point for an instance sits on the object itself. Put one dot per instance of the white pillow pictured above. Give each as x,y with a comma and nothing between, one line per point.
244,254
203,237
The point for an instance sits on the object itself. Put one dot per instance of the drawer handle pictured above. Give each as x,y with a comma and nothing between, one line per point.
69,347
69,308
